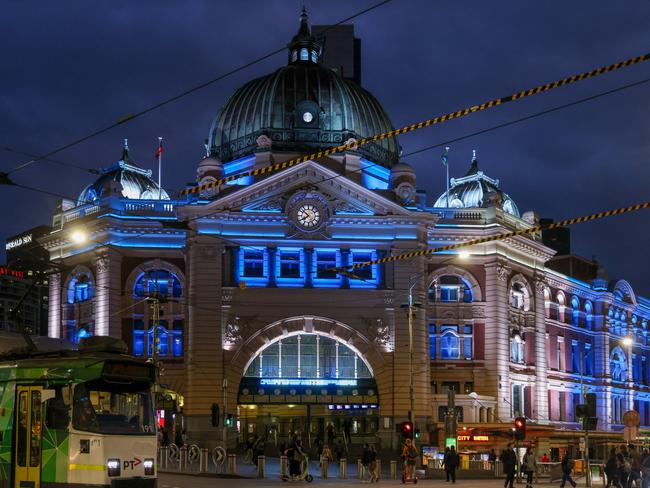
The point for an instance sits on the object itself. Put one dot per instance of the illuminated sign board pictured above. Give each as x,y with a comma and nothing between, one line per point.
306,382
473,438
11,272
18,241
350,407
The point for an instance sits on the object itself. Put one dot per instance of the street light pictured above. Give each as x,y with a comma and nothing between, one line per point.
79,236
627,341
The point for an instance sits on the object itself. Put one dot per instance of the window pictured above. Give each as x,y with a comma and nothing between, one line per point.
449,342
450,288
80,288
177,338
644,370
517,296
290,261
367,273
450,385
562,406
253,263
588,361
517,349
168,340
304,54
618,365
57,411
442,413
516,400
432,341
138,337
314,57
559,354
577,400
323,262
575,356
294,55
158,281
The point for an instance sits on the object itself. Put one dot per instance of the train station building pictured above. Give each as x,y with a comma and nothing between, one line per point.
254,320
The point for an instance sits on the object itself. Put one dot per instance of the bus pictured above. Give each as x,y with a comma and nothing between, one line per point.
76,416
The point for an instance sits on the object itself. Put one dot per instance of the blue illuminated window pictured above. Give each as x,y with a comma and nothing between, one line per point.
588,361
575,356
304,54
157,281
80,289
449,342
163,338
432,341
314,57
291,263
467,347
177,338
322,263
253,263
83,333
138,337
254,266
451,289
368,274
448,293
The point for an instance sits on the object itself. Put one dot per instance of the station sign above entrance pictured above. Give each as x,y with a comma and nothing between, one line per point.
306,382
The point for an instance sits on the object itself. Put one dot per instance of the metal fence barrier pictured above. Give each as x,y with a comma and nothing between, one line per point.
203,461
359,469
343,469
261,466
324,467
283,466
232,463
393,470
183,459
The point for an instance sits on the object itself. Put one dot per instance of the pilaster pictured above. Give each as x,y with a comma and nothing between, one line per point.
541,355
54,306
108,293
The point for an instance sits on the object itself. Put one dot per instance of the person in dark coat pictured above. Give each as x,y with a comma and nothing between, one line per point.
567,466
450,463
610,469
330,434
509,460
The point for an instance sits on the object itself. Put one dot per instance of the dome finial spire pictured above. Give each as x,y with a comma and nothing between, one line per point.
473,169
125,151
304,47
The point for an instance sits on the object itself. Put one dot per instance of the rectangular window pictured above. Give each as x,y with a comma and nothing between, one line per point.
177,339
516,400
253,263
163,338
575,356
560,362
324,261
290,263
562,406
588,361
138,337
450,385
644,371
448,293
367,272
432,341
467,347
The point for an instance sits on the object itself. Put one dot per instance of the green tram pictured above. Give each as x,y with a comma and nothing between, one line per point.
76,417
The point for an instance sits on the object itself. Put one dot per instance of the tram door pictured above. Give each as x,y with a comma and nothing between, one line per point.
27,445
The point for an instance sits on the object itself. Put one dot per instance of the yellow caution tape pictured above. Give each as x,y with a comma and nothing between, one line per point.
498,237
425,123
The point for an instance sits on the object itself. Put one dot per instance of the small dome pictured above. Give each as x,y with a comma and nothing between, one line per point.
130,180
210,162
471,190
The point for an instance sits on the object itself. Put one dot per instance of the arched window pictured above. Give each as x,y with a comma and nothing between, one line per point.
561,305
314,57
304,54
164,281
618,364
517,349
517,296
309,356
450,288
80,288
589,310
547,303
575,312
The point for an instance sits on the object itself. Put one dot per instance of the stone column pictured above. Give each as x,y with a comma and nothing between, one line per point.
497,339
108,293
204,351
54,306
541,355
601,366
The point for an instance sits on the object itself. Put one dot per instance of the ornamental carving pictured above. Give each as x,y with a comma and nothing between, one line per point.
478,313
233,333
102,264
347,208
502,273
540,286
264,142
380,333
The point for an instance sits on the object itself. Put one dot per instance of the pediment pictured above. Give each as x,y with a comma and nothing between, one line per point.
345,197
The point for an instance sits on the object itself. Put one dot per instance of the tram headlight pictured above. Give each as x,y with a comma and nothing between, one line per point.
113,467
148,467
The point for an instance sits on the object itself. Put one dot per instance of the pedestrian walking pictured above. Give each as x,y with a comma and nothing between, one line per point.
410,456
365,461
567,466
529,466
372,466
645,468
611,471
509,460
623,466
450,463
635,467
330,434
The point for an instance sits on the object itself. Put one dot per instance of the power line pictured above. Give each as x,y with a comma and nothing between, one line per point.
183,94
50,160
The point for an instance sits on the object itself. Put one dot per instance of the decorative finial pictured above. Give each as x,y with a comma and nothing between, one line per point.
125,151
474,155
126,144
207,148
303,14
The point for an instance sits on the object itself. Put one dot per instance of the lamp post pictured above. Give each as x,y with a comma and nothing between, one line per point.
585,454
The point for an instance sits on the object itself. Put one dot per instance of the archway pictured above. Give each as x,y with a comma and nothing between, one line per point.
312,381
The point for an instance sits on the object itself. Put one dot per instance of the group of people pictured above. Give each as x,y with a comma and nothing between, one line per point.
627,467
163,438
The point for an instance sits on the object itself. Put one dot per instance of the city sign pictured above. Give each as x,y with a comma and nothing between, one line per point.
306,382
473,438
19,241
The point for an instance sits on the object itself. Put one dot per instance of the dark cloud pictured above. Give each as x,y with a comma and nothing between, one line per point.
70,67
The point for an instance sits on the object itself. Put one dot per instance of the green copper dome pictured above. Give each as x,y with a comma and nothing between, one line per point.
301,108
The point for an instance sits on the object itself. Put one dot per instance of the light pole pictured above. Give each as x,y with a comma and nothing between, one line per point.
585,453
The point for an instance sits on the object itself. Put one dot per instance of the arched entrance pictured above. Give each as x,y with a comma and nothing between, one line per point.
309,384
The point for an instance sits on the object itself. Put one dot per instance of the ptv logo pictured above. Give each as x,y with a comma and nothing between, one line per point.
130,464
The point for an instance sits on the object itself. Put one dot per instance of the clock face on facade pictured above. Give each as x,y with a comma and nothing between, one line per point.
308,216
307,117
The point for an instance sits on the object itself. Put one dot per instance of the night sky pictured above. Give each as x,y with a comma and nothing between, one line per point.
70,67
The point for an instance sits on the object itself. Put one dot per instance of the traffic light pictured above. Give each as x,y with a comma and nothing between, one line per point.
229,420
417,433
407,430
520,428
590,400
214,414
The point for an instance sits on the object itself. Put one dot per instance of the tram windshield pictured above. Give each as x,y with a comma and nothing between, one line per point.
108,408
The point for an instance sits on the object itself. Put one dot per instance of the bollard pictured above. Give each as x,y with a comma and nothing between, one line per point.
261,466
431,466
232,463
324,466
343,469
359,469
393,470
164,452
378,468
182,463
283,466
203,460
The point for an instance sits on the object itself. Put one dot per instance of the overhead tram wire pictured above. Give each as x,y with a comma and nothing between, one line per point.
417,151
498,237
174,98
439,119
50,160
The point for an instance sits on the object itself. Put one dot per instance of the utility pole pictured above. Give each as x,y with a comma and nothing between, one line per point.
225,414
583,388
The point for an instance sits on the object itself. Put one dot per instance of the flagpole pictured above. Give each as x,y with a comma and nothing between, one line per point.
447,166
160,168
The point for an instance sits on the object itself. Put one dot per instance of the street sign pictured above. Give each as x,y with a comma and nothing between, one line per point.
631,418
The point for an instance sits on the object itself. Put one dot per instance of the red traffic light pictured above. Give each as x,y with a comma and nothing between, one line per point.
407,429
520,428
519,423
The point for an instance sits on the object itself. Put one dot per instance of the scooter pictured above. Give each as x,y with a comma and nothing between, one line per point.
405,475
304,473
